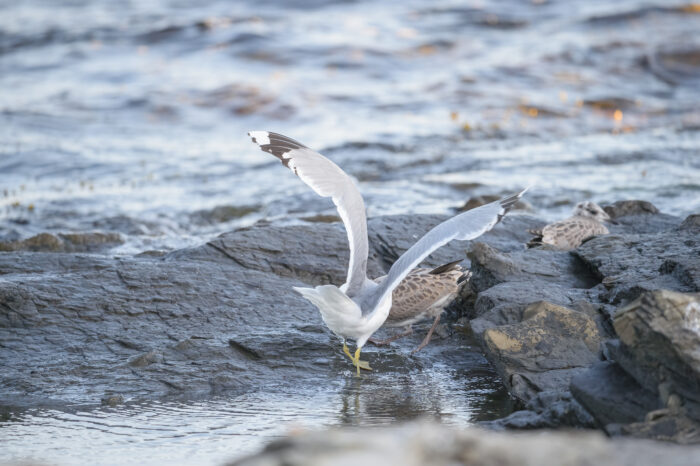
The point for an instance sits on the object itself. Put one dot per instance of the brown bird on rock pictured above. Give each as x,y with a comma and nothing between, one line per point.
423,294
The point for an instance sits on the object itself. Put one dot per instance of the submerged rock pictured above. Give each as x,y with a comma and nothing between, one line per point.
65,242
420,443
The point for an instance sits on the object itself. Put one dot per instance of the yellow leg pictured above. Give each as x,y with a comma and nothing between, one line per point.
356,359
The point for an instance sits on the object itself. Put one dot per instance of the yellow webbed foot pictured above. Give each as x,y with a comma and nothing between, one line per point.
356,359
360,364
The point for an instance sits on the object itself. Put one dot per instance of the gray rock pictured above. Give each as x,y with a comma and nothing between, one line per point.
544,351
691,223
216,318
628,265
661,333
611,395
65,242
420,443
631,207
144,328
671,428
547,409
647,250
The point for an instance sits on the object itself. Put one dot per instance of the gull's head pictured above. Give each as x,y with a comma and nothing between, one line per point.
591,210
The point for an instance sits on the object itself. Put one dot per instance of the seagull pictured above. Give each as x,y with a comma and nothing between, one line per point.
585,222
424,293
356,309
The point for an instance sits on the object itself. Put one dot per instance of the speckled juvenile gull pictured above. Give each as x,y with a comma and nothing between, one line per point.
423,294
585,222
360,306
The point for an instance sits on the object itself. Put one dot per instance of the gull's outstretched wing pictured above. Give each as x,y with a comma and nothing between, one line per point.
327,180
468,225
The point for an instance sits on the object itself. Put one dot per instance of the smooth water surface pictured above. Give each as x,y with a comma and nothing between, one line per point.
215,430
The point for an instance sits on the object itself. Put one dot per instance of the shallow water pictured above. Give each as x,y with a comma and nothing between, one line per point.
215,430
130,117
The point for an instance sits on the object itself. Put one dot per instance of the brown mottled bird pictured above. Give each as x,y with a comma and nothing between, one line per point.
423,294
586,221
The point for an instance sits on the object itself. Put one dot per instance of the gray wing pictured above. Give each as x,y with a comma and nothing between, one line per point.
327,180
468,225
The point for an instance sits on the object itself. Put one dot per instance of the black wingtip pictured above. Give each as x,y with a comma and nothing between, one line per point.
507,203
275,144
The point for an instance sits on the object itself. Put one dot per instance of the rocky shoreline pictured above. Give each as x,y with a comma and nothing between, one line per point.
580,339
587,339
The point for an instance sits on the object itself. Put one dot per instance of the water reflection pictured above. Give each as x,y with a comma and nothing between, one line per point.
215,430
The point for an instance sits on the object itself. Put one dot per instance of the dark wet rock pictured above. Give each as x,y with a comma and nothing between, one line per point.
146,359
506,283
691,223
548,409
505,303
129,225
65,242
638,217
543,352
628,265
652,389
112,400
221,318
624,208
611,395
285,251
671,428
419,443
217,318
221,214
478,201
552,354
661,332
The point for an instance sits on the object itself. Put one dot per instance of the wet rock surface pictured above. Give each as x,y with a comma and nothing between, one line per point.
421,443
656,372
549,321
213,319
64,242
221,318
543,351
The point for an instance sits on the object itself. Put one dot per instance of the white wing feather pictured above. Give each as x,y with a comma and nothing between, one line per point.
468,225
327,180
